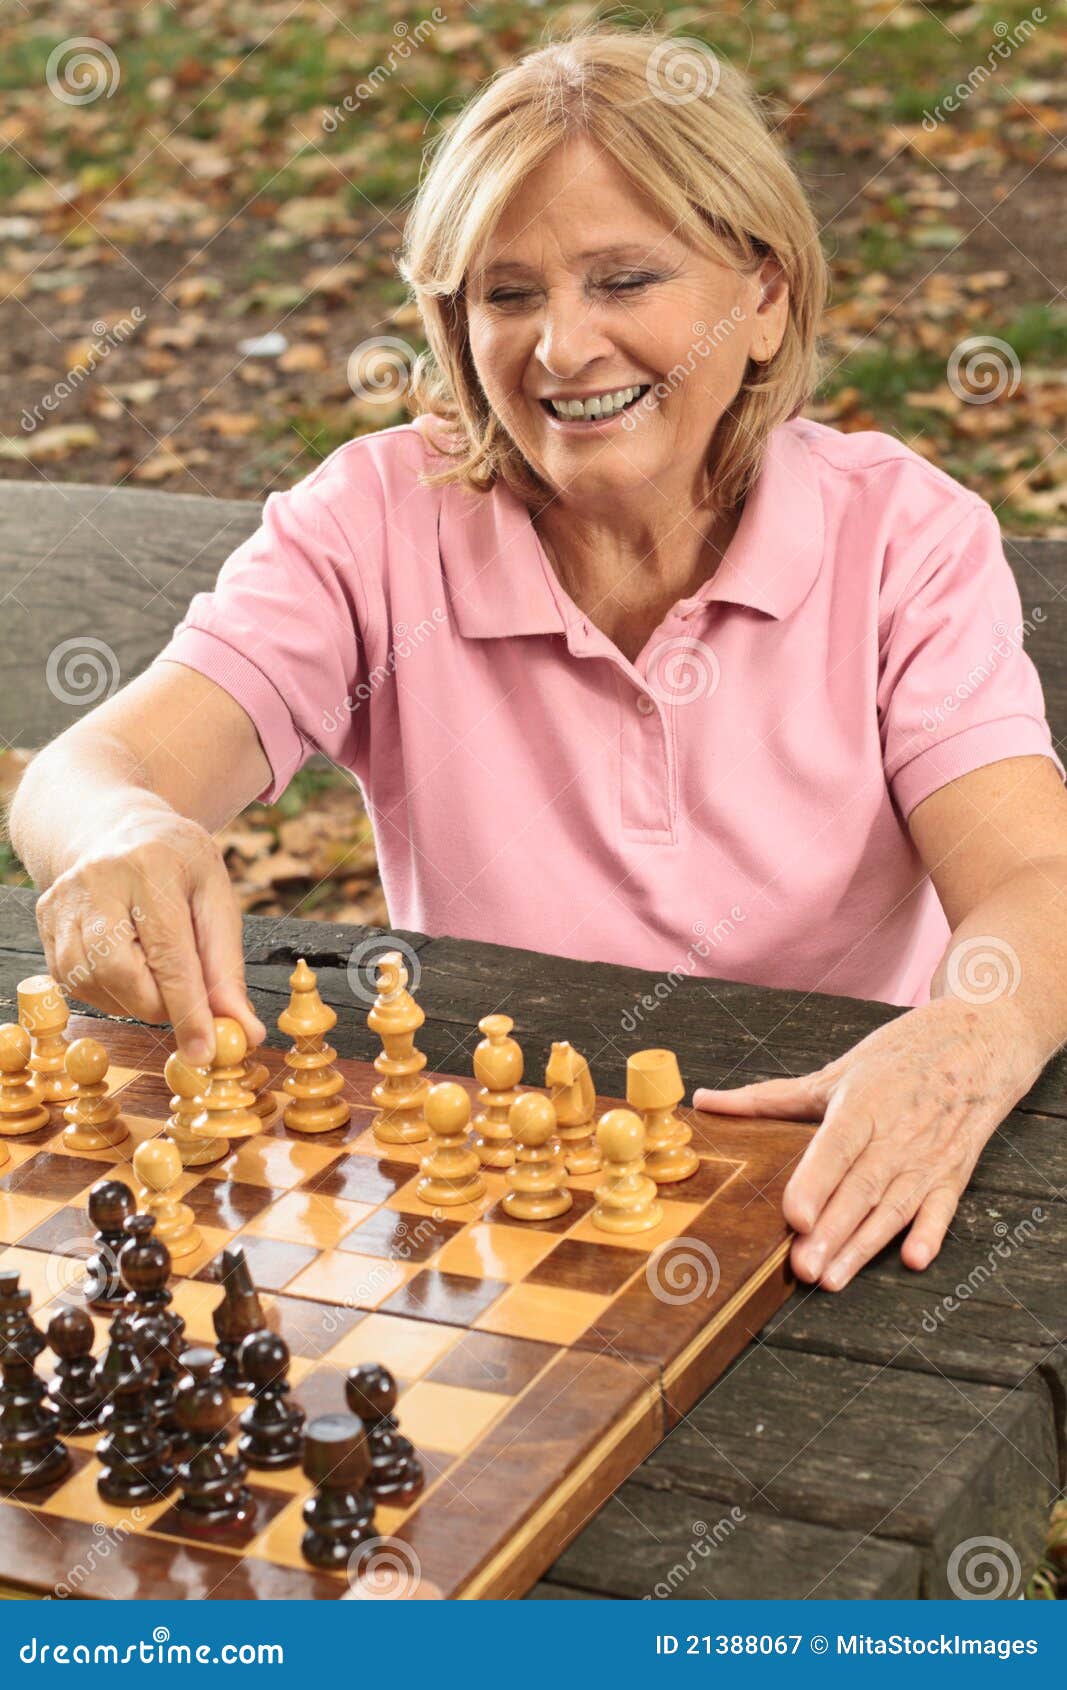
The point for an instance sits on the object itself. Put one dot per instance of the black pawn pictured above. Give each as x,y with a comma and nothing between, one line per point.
215,1498
31,1455
239,1314
340,1516
110,1206
73,1392
144,1267
271,1428
134,1452
159,1332
396,1474
15,1318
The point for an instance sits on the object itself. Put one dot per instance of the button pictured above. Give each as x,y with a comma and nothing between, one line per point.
645,704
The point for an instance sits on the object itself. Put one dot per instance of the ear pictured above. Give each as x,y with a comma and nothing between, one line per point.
771,310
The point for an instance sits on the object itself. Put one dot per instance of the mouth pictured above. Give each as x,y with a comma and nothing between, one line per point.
593,420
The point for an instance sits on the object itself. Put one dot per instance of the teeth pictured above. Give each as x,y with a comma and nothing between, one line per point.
604,406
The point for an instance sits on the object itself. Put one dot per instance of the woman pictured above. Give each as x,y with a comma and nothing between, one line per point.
632,661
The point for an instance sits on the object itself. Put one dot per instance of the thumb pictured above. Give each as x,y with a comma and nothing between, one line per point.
802,1097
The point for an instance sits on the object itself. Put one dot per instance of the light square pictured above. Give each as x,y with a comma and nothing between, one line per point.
543,1312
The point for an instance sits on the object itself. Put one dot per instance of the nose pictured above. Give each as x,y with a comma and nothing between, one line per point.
570,337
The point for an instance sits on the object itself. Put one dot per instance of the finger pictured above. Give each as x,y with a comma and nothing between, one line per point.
931,1223
846,1132
99,961
799,1098
220,941
894,1212
166,936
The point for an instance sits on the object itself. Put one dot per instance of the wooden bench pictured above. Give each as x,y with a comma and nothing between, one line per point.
864,1437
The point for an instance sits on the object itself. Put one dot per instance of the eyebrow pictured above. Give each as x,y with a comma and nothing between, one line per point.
630,251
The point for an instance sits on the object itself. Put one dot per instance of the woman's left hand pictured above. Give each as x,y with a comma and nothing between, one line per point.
905,1114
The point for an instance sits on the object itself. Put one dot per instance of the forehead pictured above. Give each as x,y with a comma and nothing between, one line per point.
576,207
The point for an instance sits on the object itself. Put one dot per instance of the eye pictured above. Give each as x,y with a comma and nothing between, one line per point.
628,284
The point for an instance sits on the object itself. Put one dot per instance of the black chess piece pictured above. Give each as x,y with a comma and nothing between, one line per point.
239,1314
159,1331
110,1206
144,1267
31,1454
15,1317
271,1428
134,1452
214,1498
340,1516
396,1474
73,1392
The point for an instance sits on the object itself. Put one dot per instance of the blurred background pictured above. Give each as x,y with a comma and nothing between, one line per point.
200,204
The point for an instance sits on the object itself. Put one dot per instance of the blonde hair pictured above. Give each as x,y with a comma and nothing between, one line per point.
709,161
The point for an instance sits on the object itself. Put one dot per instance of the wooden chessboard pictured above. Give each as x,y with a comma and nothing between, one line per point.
538,1363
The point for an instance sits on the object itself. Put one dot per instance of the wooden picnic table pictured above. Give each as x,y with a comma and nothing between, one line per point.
864,1437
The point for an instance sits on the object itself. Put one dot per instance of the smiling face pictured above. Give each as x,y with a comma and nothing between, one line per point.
584,290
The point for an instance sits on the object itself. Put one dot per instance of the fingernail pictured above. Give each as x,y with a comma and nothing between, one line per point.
814,1257
921,1257
835,1276
199,1052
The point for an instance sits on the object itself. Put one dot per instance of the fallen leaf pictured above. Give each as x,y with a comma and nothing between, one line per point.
50,442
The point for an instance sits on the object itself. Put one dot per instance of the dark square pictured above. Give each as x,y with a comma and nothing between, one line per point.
272,1263
361,1179
268,1503
146,1095
451,1299
488,1361
577,1264
583,1202
69,1232
400,1236
57,1177
228,1204
322,1392
709,1178
312,1329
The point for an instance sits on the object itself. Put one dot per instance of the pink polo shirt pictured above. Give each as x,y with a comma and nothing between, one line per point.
733,803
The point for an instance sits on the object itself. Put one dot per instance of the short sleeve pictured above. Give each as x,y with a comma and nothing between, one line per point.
281,632
956,688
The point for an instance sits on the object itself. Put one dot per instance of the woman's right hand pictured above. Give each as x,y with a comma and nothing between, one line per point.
144,923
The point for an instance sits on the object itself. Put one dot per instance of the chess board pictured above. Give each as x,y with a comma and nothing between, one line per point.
537,1363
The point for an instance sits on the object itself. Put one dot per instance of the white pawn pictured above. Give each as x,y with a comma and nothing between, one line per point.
537,1188
158,1165
451,1172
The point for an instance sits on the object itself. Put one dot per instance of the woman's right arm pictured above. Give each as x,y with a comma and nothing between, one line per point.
114,822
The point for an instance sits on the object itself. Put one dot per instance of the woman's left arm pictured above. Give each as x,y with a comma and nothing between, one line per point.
906,1112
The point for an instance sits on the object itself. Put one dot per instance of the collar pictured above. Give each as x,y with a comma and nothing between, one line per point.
501,582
